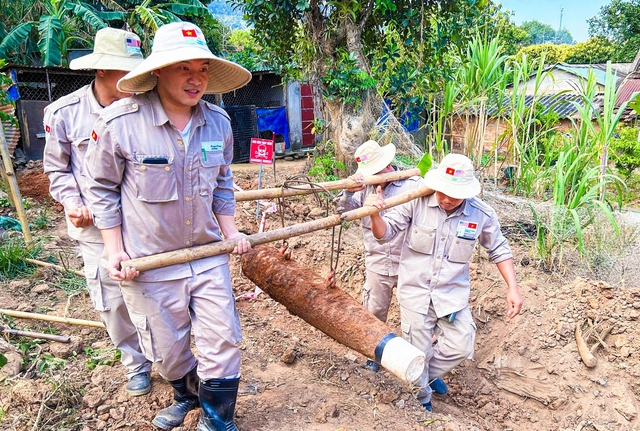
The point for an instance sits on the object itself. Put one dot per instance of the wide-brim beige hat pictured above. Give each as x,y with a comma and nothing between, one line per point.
183,41
113,49
454,177
372,158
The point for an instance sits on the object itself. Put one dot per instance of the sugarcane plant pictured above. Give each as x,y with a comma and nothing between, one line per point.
579,177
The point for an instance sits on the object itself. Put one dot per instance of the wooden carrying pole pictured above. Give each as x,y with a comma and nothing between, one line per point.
13,187
278,192
199,252
47,318
331,310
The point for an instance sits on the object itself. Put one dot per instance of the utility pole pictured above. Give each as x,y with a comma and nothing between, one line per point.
560,26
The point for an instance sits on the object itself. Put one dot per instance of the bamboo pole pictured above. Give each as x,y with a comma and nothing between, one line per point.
278,192
199,252
53,265
13,187
47,318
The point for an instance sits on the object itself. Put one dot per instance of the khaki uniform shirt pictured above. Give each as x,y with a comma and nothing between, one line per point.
140,177
434,265
381,258
68,123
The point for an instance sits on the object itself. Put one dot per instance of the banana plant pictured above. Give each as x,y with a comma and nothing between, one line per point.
61,23
144,17
57,25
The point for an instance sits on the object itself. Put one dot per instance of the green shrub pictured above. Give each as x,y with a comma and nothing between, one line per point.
326,166
625,151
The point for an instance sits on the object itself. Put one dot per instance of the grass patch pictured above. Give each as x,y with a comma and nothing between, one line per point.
13,252
108,356
70,283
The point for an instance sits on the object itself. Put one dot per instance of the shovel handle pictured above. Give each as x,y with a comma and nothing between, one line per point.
50,337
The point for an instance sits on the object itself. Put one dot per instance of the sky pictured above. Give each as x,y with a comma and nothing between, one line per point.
574,18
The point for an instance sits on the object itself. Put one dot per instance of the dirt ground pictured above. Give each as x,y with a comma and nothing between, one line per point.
526,373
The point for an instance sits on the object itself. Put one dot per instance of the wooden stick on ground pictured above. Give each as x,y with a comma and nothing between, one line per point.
278,192
52,265
46,317
189,254
586,356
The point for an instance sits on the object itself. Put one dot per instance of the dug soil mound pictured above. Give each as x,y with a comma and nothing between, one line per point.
526,373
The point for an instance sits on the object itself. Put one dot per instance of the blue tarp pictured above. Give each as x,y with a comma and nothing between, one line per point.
12,92
274,119
410,120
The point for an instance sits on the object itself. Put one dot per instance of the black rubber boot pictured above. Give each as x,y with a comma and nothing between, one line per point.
218,401
185,399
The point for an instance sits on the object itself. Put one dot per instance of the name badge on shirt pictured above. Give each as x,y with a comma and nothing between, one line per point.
212,145
467,229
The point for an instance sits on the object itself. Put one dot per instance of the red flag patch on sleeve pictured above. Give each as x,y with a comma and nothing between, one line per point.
94,136
47,128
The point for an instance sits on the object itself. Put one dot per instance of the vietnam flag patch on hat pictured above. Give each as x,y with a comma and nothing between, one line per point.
455,173
189,33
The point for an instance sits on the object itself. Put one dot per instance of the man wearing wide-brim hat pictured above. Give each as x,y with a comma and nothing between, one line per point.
68,123
160,180
433,279
381,260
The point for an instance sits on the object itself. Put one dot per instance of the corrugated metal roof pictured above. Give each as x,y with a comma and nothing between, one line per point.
628,88
563,105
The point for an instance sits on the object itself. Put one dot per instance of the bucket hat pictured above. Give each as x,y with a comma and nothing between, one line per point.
113,49
372,158
183,41
454,177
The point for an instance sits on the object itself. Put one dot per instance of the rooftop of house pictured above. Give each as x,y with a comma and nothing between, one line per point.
620,70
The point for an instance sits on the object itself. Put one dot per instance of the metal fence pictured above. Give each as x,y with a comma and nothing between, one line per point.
50,83
47,84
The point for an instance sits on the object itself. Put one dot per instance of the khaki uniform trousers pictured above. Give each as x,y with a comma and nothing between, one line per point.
455,343
107,299
167,312
377,293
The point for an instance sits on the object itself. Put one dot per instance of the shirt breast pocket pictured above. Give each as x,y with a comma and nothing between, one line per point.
210,159
461,250
422,239
156,181
81,143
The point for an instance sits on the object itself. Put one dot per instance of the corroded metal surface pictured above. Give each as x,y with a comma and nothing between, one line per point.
308,296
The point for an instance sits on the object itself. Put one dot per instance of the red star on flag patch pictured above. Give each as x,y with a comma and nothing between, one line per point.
94,135
189,33
473,225
450,171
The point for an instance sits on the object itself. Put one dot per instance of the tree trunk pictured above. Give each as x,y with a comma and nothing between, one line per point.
347,127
